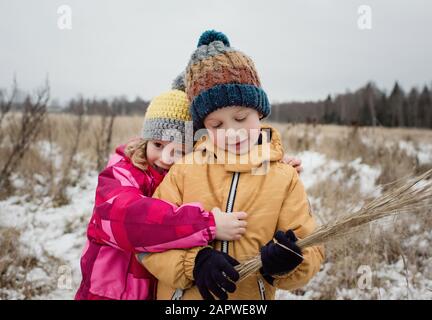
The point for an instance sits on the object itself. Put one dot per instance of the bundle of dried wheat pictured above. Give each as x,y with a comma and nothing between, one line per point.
405,196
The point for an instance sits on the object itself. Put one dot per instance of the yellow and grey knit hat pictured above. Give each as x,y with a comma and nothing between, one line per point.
168,115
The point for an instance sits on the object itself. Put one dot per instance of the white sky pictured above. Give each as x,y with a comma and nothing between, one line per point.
302,49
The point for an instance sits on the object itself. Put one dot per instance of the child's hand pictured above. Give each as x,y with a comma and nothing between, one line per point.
281,257
230,226
214,272
293,161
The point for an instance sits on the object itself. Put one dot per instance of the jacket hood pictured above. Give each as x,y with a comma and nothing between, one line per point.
269,150
120,155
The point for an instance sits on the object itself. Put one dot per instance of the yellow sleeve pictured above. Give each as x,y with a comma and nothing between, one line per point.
172,267
170,189
296,215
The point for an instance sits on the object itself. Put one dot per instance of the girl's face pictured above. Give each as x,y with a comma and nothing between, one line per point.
161,155
235,129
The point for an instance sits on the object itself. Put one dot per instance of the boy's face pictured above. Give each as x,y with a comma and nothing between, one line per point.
161,155
235,129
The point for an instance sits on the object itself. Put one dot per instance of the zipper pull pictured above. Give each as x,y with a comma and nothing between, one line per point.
261,288
178,294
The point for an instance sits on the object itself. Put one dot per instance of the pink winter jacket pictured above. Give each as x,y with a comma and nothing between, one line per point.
127,221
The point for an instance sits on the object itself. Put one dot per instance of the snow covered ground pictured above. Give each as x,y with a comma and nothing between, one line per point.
48,233
55,236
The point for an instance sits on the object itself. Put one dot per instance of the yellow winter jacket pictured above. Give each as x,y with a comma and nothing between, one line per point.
275,200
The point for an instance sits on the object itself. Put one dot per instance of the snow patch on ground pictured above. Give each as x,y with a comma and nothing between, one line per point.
317,167
387,282
48,232
423,152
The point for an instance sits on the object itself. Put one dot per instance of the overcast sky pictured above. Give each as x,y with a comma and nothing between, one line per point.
302,49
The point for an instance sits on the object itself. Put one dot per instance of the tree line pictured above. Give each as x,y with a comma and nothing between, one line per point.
367,106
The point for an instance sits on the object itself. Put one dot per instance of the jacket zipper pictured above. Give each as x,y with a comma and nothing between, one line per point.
230,204
178,293
261,288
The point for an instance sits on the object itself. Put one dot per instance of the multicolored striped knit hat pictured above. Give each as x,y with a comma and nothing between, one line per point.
167,115
219,76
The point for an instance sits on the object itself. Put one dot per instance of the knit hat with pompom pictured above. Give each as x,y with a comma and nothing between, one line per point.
219,76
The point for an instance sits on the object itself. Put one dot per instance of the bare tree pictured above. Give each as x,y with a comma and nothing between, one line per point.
51,161
22,129
370,100
6,104
103,136
425,108
412,111
59,197
396,103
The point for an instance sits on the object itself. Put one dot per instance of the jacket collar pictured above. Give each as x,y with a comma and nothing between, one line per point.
156,175
268,151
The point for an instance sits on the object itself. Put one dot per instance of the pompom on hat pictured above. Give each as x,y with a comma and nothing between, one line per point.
219,76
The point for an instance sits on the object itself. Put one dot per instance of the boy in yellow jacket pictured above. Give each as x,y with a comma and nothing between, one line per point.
236,167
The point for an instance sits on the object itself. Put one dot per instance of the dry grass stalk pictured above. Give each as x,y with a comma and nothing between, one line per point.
411,195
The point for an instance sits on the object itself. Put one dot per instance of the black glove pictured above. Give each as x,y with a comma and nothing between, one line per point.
210,266
278,260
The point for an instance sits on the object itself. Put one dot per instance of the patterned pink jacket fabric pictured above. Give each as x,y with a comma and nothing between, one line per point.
127,221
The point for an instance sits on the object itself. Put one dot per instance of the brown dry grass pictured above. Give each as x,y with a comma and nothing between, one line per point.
62,127
15,265
41,169
375,146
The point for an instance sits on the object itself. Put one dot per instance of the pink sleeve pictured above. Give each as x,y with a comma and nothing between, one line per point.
126,219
